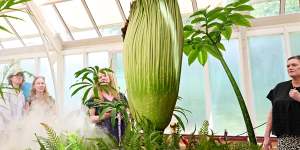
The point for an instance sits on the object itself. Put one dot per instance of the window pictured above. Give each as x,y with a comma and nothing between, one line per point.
266,8
294,41
46,72
72,64
224,102
266,72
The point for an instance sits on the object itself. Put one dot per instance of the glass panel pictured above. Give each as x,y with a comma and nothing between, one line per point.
76,18
54,22
212,3
99,10
28,65
33,41
185,6
111,30
292,6
4,35
294,41
224,101
3,73
26,28
100,59
266,72
46,72
192,92
119,71
126,6
72,64
266,8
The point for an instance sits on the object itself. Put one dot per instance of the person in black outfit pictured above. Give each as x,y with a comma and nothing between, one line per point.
284,117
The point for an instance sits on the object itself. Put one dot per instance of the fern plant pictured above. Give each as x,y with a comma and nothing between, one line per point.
72,141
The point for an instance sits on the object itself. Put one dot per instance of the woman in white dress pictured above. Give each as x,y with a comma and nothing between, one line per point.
13,106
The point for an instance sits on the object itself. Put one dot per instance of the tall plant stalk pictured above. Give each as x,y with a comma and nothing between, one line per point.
204,36
152,59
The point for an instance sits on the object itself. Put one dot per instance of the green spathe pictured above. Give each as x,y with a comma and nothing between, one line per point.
152,59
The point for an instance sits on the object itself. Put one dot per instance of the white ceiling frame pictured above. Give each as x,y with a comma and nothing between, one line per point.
14,31
195,6
88,11
63,21
121,10
282,7
37,17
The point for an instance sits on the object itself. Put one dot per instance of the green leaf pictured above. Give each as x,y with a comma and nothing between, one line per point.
95,91
179,122
192,56
196,33
79,88
78,73
12,17
249,16
199,12
212,51
213,14
202,57
84,98
239,19
79,84
187,49
221,46
244,8
113,117
227,32
187,34
3,28
198,20
188,28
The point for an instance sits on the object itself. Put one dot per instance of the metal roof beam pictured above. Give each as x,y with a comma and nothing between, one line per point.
88,11
121,10
15,31
44,30
63,22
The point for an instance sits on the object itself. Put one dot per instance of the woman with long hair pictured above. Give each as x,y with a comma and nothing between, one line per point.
108,95
39,96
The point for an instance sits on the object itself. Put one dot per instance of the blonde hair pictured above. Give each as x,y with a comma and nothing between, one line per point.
33,90
114,91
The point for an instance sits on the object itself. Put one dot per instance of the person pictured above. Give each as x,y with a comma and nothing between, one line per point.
39,96
26,88
14,97
283,118
95,108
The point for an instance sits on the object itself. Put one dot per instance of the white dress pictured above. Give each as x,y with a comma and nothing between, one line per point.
13,107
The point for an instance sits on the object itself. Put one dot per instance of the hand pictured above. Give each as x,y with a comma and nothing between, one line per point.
294,94
94,119
266,143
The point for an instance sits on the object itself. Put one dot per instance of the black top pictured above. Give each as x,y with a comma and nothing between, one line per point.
285,110
106,123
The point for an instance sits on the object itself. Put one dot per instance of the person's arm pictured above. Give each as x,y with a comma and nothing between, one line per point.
95,118
267,144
